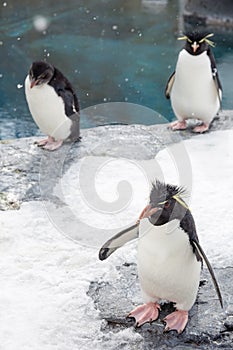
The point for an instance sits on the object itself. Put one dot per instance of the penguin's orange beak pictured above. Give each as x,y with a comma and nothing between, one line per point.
148,211
195,46
33,83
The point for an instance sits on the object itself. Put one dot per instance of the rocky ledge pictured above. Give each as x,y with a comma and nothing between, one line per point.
209,326
23,165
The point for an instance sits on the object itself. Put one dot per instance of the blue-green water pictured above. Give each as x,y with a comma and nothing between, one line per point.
117,50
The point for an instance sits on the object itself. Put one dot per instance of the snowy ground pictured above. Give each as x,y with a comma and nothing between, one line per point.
45,272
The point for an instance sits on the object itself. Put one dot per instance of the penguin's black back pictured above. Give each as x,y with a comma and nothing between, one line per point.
188,225
65,90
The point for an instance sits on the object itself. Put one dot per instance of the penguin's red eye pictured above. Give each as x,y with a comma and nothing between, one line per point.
167,204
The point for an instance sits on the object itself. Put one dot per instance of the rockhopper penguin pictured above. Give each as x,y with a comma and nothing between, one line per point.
169,256
53,104
194,88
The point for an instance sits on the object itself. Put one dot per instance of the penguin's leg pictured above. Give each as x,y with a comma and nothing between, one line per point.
177,321
201,128
178,125
145,313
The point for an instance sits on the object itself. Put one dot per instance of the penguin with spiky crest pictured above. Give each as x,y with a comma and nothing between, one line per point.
53,104
194,88
169,256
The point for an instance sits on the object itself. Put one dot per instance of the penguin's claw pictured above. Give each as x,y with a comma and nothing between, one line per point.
145,313
178,125
201,128
176,321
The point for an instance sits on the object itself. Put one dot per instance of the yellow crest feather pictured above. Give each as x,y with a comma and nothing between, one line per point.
209,42
181,202
182,37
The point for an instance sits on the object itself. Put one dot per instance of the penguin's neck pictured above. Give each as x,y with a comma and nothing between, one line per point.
191,62
161,231
169,237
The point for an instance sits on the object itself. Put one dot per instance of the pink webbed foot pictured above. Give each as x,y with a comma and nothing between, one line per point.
44,141
177,321
50,144
178,125
201,128
145,313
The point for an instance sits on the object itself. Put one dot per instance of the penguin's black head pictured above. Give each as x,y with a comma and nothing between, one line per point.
40,73
167,199
196,43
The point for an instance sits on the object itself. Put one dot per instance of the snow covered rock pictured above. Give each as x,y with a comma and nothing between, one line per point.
55,294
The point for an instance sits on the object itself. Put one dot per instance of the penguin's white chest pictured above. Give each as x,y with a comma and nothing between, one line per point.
48,110
194,94
167,266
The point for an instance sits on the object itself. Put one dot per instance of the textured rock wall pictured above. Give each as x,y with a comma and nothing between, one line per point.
217,14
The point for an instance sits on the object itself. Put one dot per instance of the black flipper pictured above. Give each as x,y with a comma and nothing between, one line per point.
118,241
216,286
215,75
63,88
169,85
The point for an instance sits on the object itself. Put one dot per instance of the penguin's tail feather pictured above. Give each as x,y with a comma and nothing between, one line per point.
211,271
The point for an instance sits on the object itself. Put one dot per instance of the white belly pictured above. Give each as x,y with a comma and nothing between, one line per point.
167,266
194,94
48,110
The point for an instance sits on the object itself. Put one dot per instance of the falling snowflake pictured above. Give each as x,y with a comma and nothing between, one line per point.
40,23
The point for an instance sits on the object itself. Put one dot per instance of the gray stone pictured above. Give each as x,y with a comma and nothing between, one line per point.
24,166
208,326
8,201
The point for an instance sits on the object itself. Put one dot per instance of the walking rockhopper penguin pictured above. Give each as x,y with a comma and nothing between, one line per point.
53,104
194,88
169,256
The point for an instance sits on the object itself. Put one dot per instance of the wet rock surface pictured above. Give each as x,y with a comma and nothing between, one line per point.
209,326
24,166
30,173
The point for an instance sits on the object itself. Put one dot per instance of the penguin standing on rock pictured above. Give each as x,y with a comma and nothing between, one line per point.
194,88
169,257
53,105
